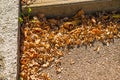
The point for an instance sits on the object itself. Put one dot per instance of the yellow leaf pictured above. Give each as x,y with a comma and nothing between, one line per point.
117,16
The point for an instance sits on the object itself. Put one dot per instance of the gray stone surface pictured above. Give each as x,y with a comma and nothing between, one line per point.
8,39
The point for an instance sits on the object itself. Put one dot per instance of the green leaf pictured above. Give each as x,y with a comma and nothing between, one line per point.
29,10
20,19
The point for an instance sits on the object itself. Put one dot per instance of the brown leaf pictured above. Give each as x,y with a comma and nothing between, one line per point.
80,13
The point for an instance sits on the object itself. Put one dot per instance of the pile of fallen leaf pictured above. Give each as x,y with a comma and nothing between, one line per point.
44,40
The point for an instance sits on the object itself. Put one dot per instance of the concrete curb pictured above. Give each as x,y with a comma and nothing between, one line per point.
69,8
8,38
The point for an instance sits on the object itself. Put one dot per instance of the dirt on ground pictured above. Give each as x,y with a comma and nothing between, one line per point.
87,64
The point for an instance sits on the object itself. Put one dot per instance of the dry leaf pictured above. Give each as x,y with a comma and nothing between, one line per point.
72,61
79,14
41,41
97,49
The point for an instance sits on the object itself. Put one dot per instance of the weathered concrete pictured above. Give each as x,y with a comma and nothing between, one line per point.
65,8
58,1
8,39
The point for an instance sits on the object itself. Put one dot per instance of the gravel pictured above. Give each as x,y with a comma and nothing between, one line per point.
8,39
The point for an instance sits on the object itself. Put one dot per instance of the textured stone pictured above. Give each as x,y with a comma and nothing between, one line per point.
8,39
